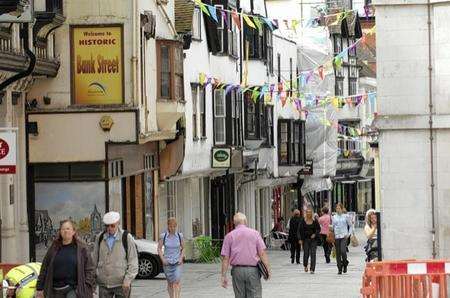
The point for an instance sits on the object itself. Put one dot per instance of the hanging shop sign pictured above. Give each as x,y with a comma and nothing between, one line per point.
97,64
7,152
221,158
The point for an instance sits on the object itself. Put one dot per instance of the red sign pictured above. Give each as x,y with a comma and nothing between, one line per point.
4,148
7,152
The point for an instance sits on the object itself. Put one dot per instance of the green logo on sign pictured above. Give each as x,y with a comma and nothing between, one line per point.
221,155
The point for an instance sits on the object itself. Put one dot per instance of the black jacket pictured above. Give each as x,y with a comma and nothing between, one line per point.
293,228
305,231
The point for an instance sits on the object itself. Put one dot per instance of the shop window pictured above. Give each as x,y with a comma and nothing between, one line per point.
83,171
170,70
115,168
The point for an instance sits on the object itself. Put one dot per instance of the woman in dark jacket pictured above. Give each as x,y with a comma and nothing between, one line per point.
309,231
67,270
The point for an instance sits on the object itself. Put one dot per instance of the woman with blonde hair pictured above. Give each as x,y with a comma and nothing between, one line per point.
67,269
342,228
370,230
309,233
172,258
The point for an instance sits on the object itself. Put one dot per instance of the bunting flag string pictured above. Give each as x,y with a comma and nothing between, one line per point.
256,21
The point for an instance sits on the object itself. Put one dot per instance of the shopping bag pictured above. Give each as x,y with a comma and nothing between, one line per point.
354,240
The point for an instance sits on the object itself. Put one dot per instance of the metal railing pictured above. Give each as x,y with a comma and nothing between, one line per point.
5,42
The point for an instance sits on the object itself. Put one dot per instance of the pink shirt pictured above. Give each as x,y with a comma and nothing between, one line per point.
242,246
324,221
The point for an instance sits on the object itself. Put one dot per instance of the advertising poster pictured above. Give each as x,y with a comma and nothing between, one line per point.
82,202
97,65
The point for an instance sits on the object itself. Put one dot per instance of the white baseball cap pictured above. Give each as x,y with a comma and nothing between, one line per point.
111,217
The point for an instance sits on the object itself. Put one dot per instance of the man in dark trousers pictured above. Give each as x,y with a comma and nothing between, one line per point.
294,222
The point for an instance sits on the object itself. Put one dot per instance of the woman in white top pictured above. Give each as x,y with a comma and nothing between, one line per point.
370,229
371,224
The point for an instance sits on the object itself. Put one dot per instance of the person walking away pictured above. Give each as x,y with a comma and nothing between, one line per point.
309,231
172,258
243,248
325,222
342,228
67,270
294,223
370,230
115,258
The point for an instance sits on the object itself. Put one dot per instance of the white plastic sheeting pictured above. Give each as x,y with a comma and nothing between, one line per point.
321,139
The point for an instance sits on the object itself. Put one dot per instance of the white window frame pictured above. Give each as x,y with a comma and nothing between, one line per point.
171,195
221,30
197,24
219,97
202,114
195,114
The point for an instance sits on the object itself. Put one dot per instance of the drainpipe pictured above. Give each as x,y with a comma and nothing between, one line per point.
134,57
430,122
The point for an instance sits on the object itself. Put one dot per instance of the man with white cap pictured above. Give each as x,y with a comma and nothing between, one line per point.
116,259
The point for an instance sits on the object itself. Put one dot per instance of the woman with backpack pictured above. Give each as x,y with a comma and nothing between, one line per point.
172,258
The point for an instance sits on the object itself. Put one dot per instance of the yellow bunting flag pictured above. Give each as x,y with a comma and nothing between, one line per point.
201,78
248,21
202,7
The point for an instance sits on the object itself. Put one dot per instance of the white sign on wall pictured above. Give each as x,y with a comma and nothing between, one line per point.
7,152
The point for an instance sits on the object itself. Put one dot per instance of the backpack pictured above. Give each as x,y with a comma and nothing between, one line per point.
124,243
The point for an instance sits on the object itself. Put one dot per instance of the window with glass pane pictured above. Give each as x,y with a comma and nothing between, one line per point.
284,141
234,38
302,143
179,84
238,123
353,71
337,42
171,199
197,24
221,30
194,90
352,87
351,50
165,71
339,87
251,116
201,98
219,117
269,125
339,71
262,119
269,45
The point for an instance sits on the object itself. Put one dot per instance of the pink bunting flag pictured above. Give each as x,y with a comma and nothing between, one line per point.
320,70
236,19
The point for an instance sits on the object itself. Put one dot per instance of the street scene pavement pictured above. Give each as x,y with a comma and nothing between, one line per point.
203,280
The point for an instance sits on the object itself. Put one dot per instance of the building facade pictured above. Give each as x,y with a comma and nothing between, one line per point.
28,50
413,123
105,129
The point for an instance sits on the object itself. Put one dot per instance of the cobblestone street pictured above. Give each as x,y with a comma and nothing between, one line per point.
200,280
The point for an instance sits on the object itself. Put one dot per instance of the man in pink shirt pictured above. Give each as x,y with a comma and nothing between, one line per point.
243,248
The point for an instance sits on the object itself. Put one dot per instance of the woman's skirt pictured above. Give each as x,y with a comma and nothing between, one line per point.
173,273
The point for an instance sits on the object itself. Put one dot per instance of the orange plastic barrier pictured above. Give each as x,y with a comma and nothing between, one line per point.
408,278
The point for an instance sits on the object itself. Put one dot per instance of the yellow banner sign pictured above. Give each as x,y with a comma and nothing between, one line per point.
97,65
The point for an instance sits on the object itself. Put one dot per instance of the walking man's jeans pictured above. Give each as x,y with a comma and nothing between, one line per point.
326,247
295,250
341,253
246,282
309,249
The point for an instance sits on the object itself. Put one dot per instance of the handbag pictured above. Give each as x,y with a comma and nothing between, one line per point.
354,240
330,237
263,270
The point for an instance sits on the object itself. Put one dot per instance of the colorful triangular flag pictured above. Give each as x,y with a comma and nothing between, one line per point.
248,21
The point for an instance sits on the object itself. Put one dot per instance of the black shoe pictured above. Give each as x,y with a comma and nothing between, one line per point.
292,260
327,259
340,272
298,263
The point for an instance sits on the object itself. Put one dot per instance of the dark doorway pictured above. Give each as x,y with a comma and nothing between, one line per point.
222,206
